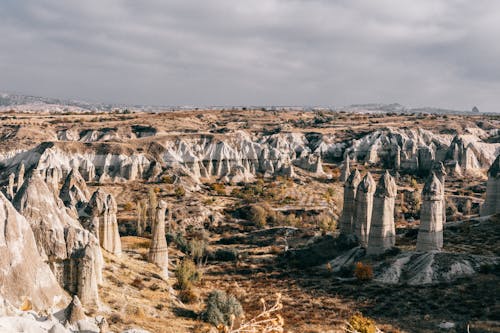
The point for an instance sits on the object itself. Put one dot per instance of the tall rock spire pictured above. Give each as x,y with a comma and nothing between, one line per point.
492,203
158,250
346,172
364,207
346,220
430,234
382,230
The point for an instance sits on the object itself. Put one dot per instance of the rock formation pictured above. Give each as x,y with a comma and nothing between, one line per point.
364,207
20,176
350,187
382,229
23,273
72,252
74,192
10,186
99,217
440,172
158,250
346,172
492,203
430,234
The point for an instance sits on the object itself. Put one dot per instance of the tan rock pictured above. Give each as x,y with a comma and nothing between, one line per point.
158,250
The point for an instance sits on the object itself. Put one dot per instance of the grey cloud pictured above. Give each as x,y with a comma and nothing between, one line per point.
222,52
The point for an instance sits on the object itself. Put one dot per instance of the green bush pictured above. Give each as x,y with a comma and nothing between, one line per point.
221,307
186,274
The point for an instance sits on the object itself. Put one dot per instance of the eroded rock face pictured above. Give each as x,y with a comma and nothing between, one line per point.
492,203
364,207
158,250
430,233
23,273
99,217
348,211
74,192
72,252
382,229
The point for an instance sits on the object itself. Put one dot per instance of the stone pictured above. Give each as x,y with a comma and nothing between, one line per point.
23,272
364,207
345,170
491,204
63,243
99,217
440,172
430,233
158,250
20,176
382,235
74,192
10,186
74,311
350,187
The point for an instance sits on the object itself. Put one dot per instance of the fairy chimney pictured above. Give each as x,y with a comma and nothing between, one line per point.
382,229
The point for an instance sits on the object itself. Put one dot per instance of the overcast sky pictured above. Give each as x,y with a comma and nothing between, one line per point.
443,53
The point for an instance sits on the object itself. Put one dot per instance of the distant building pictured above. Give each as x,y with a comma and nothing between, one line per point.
475,109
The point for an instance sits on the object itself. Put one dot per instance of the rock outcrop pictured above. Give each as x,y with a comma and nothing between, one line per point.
492,203
99,217
430,233
72,252
382,229
346,170
20,176
364,208
10,186
158,250
23,273
348,211
74,192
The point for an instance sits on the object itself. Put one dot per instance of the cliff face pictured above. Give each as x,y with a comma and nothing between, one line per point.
23,273
240,156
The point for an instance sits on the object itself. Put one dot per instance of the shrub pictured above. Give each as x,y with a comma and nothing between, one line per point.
167,179
363,272
128,206
179,192
138,283
218,188
188,296
197,249
326,222
361,324
226,254
186,274
221,308
258,215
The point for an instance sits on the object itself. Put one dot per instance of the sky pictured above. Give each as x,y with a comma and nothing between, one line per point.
441,53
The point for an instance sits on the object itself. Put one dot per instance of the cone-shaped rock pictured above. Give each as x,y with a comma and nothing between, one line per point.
382,229
10,186
22,270
20,176
350,187
158,250
74,192
346,172
60,238
430,233
99,217
74,311
364,206
492,203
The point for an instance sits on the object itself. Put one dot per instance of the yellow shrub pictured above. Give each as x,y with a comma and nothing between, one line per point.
362,324
363,272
